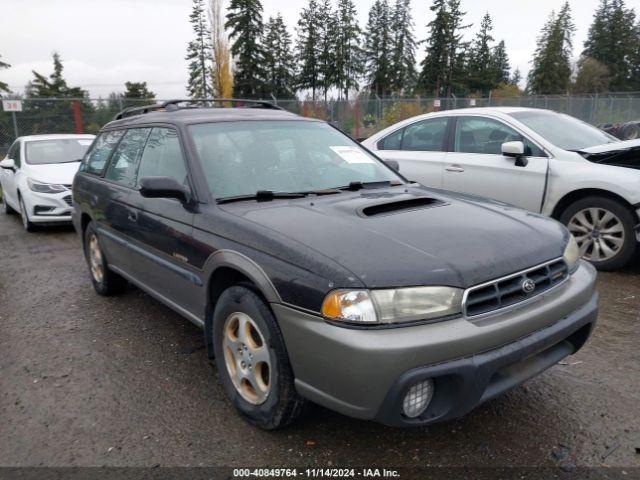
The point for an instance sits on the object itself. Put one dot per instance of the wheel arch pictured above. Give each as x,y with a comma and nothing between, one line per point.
576,195
227,268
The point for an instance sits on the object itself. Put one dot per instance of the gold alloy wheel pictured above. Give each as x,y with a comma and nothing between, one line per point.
247,358
95,259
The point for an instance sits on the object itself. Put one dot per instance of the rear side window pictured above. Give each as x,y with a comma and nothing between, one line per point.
424,136
97,157
124,162
163,157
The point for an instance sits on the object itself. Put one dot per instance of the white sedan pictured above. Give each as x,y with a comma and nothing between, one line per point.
540,160
36,177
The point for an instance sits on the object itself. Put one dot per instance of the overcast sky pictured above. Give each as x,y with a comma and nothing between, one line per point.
104,43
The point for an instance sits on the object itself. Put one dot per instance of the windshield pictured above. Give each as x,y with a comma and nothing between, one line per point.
60,150
562,130
241,158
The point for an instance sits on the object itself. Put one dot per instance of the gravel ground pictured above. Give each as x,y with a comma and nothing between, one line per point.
124,381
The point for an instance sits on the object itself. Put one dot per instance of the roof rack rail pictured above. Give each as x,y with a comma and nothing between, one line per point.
173,105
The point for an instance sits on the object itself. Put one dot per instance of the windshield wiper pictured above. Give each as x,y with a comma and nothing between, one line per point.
268,195
72,161
262,196
354,186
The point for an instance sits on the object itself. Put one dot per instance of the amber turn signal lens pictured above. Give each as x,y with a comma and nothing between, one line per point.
331,305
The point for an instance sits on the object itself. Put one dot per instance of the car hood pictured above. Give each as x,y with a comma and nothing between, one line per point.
413,236
621,154
61,173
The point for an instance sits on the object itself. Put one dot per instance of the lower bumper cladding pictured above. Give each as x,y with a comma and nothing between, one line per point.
461,385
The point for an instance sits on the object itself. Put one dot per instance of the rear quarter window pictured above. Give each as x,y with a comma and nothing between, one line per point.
97,156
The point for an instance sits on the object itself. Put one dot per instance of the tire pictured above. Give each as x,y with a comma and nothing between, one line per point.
630,131
598,246
263,344
6,208
105,281
26,223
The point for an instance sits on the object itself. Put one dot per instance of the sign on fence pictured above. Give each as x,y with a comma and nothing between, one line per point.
436,103
12,105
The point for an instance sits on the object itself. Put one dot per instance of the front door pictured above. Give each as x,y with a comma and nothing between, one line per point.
476,165
164,226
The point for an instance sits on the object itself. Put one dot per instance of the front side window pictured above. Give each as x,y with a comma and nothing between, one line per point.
59,150
97,157
163,157
486,136
562,130
124,162
241,158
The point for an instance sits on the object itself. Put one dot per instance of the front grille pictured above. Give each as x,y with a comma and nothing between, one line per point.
68,200
510,290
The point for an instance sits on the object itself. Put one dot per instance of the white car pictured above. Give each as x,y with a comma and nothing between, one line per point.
36,177
540,160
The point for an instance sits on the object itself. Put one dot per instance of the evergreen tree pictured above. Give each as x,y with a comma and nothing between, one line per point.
378,48
516,78
348,50
327,28
551,69
136,92
612,40
279,62
501,65
481,67
199,54
634,73
52,115
456,74
307,49
3,86
443,67
403,60
245,22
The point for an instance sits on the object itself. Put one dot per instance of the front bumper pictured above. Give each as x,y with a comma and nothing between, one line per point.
366,373
49,207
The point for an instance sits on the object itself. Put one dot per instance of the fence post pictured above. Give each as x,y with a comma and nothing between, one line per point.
15,124
275,100
379,103
77,116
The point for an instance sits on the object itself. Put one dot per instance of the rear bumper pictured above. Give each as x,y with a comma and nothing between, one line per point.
365,373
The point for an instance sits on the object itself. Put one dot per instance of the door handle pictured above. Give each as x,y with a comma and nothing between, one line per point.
133,217
454,168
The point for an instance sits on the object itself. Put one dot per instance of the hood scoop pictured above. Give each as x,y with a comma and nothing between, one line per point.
389,208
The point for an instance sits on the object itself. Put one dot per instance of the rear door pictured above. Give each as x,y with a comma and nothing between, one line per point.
476,165
164,226
419,148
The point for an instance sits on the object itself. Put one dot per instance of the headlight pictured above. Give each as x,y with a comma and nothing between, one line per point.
572,253
45,187
395,305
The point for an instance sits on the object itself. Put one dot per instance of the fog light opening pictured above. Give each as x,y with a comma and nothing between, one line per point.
418,398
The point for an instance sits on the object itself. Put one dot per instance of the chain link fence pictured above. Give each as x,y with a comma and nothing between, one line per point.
360,117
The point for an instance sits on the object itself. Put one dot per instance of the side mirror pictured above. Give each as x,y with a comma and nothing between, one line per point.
515,150
393,164
164,187
8,164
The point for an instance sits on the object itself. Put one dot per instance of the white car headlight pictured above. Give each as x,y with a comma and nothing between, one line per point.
45,187
572,253
396,305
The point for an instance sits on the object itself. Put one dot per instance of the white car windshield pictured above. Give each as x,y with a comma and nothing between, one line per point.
59,150
562,130
242,158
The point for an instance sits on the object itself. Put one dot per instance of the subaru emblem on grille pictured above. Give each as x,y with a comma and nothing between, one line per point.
528,286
